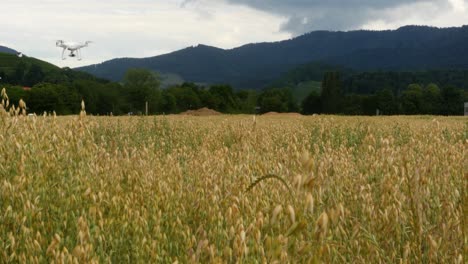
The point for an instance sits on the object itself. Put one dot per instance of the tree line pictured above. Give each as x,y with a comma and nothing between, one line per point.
138,87
371,82
63,95
416,98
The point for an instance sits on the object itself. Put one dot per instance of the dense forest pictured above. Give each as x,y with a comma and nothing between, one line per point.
47,89
422,97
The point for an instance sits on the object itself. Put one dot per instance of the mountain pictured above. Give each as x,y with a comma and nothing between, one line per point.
257,65
28,71
7,50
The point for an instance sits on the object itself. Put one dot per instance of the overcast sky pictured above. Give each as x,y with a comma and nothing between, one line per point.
143,28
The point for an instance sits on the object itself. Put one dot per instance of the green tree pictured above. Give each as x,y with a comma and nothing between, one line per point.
331,96
452,101
247,101
142,86
33,76
387,102
312,104
44,97
207,99
168,103
88,90
3,77
224,98
369,104
411,99
18,74
352,104
186,97
109,99
431,100
56,77
277,100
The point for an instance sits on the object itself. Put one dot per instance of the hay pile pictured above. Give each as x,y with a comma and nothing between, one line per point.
201,112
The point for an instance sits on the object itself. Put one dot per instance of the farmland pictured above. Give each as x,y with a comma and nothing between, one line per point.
279,188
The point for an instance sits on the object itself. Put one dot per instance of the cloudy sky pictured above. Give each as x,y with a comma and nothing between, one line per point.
143,28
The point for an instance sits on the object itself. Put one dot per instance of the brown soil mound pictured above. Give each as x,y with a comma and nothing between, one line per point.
284,114
201,112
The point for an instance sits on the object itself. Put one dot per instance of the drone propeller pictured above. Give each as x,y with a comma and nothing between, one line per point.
58,42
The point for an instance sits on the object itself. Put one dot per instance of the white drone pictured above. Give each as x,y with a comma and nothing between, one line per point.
72,47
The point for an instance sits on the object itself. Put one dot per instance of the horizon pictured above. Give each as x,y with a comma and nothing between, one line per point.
245,44
144,28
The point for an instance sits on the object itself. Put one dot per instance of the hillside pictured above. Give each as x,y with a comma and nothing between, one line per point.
28,71
9,61
7,50
257,65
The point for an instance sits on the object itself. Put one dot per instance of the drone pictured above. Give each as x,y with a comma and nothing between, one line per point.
73,47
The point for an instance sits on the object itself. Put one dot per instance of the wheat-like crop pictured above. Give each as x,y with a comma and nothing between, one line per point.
167,189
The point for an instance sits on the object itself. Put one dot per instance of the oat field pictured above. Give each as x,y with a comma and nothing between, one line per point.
232,189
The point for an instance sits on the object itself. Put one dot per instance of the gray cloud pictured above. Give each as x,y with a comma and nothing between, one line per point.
184,3
307,15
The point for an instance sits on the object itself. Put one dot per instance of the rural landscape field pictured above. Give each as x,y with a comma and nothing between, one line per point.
232,189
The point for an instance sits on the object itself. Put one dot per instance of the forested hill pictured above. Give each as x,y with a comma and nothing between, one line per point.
29,71
257,65
7,50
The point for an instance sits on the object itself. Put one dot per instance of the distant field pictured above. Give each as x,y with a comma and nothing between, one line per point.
167,189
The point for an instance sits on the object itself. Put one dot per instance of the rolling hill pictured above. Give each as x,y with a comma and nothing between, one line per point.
257,65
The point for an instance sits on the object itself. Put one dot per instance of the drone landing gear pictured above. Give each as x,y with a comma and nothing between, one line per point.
75,53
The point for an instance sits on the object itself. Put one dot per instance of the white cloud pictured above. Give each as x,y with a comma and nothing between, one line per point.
126,28
420,14
459,5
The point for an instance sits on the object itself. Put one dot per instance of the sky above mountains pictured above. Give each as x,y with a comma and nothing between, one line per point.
143,28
